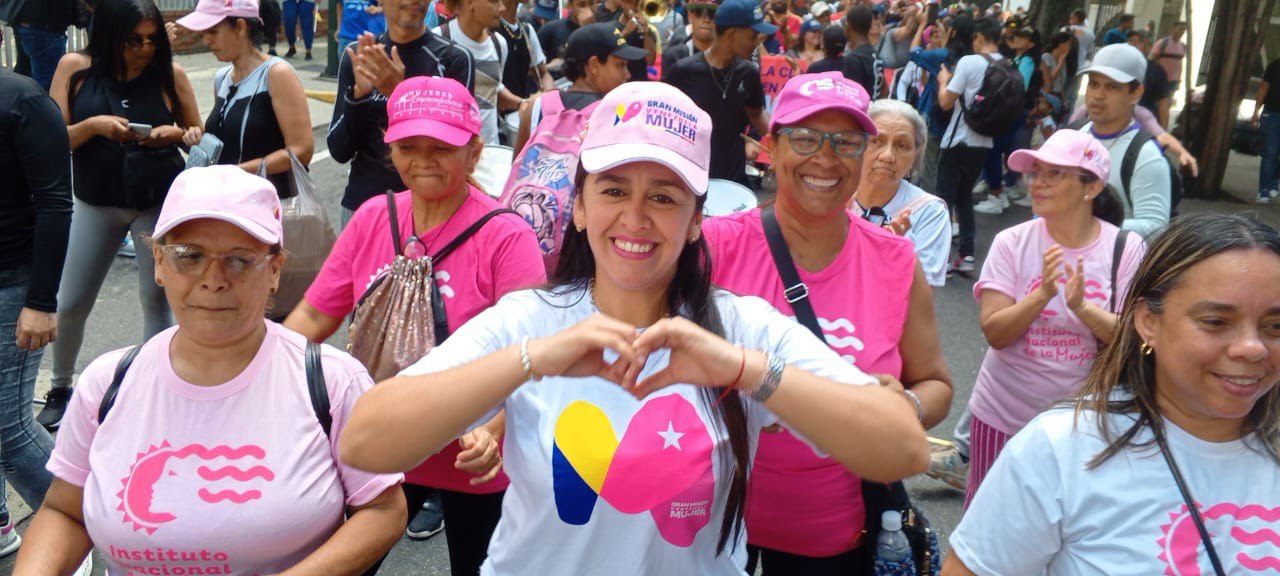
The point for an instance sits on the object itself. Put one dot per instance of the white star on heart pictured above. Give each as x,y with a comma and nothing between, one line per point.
671,438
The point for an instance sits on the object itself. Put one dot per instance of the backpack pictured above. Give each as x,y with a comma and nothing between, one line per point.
991,113
1129,162
315,385
541,186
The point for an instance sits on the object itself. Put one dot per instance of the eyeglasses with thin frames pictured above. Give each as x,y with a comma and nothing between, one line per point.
195,261
1050,176
808,141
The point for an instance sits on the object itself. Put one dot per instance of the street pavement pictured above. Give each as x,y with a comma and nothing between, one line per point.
116,321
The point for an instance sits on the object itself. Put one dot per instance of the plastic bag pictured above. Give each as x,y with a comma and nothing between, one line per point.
308,238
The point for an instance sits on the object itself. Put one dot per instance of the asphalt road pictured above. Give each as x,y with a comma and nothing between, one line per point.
116,322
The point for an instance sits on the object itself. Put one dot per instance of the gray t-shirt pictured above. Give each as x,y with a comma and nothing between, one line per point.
1059,84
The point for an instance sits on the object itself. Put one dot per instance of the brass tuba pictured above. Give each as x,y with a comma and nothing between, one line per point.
655,10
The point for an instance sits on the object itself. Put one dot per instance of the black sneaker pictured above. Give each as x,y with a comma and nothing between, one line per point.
308,56
291,53
55,405
427,523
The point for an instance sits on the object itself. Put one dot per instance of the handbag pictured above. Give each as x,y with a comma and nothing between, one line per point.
401,316
308,237
876,497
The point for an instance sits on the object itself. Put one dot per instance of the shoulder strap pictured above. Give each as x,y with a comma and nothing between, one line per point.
468,233
440,322
497,46
552,103
795,291
395,222
1130,161
1192,509
109,399
1121,237
316,387
444,31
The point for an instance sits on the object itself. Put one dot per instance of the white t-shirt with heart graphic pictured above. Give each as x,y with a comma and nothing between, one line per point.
1040,511
602,483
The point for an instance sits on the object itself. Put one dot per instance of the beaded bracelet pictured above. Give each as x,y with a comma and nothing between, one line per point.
770,380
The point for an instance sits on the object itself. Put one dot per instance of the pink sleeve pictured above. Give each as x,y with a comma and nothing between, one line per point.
332,292
518,261
360,487
1134,249
1147,120
70,458
1000,270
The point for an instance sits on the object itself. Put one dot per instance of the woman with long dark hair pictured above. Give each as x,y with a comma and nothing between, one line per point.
1168,460
127,105
634,391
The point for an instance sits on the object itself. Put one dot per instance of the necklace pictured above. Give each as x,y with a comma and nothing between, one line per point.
727,81
414,247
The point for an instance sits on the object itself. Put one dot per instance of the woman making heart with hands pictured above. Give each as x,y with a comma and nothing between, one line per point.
634,390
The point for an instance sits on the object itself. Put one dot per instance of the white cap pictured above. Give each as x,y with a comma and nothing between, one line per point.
1120,62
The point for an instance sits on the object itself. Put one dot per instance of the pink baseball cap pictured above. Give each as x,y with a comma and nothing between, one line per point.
223,192
432,106
808,94
1068,148
649,122
209,13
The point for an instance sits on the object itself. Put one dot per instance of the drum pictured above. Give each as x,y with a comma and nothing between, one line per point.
726,197
493,168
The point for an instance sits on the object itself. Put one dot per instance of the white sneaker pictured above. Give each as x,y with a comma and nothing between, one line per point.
981,188
1024,201
992,205
1264,198
9,539
86,568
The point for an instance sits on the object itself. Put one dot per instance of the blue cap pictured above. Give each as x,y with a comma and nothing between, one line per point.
810,26
743,14
546,9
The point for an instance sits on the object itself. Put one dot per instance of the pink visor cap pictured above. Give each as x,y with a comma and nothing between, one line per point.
227,193
210,12
433,106
650,122
1067,148
808,94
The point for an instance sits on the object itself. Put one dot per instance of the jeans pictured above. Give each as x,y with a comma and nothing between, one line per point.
24,445
994,170
1270,172
96,234
296,11
958,170
44,48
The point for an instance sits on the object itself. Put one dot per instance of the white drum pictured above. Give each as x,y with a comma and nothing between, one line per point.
726,197
493,169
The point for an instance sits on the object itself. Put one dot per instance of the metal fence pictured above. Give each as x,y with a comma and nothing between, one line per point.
76,40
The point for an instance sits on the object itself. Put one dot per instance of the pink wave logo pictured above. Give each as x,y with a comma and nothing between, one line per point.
1243,534
151,466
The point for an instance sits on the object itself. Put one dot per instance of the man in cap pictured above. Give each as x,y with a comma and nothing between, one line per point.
1113,90
725,83
702,32
821,11
626,14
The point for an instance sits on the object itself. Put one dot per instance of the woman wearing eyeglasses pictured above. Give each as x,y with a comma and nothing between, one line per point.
1049,292
211,448
126,104
260,110
872,305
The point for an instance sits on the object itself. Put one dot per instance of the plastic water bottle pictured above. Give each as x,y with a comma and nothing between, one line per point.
892,546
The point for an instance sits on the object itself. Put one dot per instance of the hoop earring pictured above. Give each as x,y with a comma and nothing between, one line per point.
1145,349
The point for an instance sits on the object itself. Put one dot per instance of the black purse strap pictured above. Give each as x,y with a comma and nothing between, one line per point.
395,222
1189,501
440,321
1121,237
793,289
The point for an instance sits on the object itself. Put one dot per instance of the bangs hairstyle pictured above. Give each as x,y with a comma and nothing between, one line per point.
1188,241
690,295
113,24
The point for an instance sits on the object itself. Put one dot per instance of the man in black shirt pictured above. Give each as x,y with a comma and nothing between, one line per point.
554,35
1156,86
702,32
370,70
861,63
726,84
635,28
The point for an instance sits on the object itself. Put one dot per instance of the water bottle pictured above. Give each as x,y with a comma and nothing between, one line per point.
892,546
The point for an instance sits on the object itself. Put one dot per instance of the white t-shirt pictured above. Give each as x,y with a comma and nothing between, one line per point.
602,483
966,81
237,478
930,230
488,78
1040,511
1149,210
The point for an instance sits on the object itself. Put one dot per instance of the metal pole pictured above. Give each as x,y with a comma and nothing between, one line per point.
331,66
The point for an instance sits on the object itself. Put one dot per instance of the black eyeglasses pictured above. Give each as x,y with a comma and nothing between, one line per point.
808,141
703,12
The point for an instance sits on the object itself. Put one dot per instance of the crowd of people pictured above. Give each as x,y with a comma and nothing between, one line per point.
588,370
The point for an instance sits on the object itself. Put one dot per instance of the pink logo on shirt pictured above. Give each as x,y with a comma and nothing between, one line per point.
1247,526
152,466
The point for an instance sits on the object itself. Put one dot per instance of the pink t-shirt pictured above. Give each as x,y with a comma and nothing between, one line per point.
237,478
501,257
797,501
1053,357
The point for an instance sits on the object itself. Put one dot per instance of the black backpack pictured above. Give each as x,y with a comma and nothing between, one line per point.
995,107
315,385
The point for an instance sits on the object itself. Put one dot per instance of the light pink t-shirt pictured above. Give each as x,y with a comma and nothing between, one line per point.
797,501
501,257
1050,361
237,478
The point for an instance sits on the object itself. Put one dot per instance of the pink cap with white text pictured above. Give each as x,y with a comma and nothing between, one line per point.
433,106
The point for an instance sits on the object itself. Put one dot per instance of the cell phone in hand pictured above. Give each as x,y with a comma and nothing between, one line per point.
142,130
